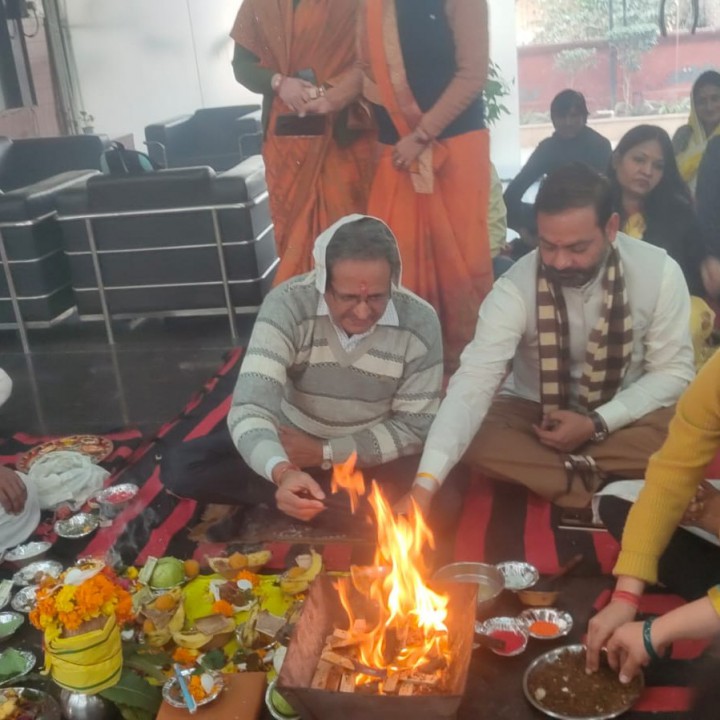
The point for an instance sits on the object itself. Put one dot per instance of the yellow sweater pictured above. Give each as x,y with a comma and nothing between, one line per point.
673,475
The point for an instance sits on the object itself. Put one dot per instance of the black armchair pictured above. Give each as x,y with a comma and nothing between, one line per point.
184,241
216,137
35,285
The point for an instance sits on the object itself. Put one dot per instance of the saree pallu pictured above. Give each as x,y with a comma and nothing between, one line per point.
439,210
312,181
443,235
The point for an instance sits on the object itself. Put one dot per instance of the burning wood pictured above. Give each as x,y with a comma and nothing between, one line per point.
396,641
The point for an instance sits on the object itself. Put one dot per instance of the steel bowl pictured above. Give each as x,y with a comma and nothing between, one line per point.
29,574
77,526
504,624
562,619
550,657
10,623
29,552
518,575
270,703
24,600
47,707
29,661
173,695
488,579
113,500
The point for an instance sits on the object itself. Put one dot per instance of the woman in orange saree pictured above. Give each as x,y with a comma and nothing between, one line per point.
424,65
289,50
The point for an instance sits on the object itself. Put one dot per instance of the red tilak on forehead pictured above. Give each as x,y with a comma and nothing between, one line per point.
363,286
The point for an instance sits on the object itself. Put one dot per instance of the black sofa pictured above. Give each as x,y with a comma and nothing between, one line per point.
32,173
219,138
156,245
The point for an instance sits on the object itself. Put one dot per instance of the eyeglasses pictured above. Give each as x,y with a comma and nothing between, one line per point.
375,300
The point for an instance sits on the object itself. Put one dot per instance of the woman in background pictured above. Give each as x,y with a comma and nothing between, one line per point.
703,124
655,205
291,52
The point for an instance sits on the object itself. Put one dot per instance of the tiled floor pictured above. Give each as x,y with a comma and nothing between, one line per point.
75,382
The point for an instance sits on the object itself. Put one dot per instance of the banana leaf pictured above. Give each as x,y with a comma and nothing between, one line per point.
135,692
149,664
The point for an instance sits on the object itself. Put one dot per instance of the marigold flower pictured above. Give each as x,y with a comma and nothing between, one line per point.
185,656
223,607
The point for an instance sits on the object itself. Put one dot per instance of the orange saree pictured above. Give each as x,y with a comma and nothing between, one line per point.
312,181
438,210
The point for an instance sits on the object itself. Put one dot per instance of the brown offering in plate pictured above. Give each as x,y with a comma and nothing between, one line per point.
556,683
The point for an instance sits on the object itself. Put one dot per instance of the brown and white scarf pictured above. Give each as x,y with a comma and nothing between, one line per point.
609,345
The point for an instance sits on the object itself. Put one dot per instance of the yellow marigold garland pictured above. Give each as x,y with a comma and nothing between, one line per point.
67,607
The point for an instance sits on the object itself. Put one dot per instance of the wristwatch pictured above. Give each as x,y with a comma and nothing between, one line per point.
327,461
600,432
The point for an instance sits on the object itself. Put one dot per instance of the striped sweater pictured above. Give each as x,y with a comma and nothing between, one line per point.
378,398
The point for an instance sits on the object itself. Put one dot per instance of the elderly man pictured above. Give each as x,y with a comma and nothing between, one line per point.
341,360
595,325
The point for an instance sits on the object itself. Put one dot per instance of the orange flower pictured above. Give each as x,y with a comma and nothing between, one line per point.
67,607
223,607
185,656
196,689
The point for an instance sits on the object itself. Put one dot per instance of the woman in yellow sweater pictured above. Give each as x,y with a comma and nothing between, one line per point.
652,539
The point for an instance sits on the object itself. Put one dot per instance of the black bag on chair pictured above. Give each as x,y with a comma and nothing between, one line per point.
118,160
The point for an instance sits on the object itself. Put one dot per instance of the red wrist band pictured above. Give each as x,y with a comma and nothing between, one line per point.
626,596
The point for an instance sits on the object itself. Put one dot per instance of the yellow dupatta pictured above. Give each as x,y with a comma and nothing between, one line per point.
689,159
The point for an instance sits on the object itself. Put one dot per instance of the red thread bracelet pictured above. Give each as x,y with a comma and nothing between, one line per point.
626,596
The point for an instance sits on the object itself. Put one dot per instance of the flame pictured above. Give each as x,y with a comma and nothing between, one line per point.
409,628
346,477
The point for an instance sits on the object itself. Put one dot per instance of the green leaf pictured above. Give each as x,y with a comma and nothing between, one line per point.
149,663
135,692
214,660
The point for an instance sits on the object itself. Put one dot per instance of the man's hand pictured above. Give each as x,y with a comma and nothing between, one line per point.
302,450
295,92
292,485
406,151
13,492
564,430
421,496
601,628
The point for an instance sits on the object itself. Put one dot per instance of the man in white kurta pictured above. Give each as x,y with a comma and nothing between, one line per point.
497,414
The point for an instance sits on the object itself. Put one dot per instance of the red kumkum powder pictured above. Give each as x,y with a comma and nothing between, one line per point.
513,641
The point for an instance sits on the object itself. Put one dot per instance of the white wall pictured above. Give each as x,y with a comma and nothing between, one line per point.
505,134
140,61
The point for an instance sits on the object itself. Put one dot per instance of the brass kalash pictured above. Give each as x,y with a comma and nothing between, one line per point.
381,643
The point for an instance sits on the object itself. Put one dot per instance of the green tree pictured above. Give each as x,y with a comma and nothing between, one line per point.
630,43
574,60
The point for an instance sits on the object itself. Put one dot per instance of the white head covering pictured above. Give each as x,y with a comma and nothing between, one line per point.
323,240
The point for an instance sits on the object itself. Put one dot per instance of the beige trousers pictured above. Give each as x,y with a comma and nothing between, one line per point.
506,448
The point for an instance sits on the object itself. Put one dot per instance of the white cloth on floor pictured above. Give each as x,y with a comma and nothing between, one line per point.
65,475
15,529
630,489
